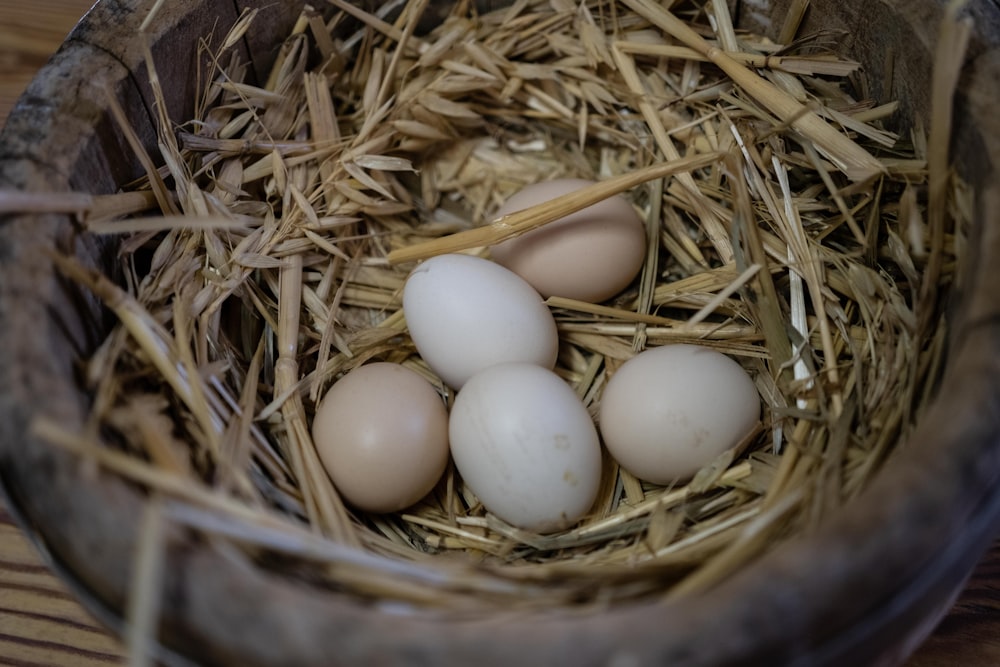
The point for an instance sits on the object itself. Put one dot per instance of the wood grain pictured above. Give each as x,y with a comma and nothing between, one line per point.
29,33
41,624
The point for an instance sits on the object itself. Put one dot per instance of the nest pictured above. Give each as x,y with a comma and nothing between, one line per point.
264,252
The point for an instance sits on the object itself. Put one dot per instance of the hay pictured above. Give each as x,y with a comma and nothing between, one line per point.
791,230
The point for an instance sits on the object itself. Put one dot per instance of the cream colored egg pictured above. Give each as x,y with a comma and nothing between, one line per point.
670,410
590,255
381,432
525,444
465,314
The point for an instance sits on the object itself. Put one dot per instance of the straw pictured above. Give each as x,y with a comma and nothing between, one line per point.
857,163
264,256
144,598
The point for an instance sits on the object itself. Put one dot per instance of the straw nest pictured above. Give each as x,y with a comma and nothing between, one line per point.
264,252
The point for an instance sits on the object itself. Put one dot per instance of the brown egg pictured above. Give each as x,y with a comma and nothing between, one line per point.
590,255
382,434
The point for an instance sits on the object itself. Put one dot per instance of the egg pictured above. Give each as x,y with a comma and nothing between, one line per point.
590,255
466,313
670,410
381,433
525,444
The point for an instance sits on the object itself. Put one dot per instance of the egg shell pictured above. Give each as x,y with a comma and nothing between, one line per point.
671,410
466,313
590,255
381,432
525,444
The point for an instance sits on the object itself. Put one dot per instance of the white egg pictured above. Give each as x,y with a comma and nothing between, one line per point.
671,410
526,446
465,314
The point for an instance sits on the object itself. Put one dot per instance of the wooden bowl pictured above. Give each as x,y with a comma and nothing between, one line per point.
864,589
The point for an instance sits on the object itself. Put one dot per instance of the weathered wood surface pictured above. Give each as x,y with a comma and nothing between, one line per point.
41,623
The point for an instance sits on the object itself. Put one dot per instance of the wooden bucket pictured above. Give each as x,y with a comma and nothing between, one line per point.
865,589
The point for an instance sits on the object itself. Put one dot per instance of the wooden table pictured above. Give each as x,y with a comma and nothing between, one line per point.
42,624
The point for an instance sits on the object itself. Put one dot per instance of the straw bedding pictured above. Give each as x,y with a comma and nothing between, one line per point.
264,252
